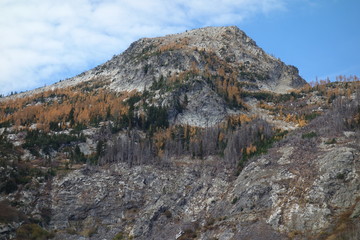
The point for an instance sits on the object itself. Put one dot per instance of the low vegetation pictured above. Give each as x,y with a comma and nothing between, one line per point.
32,232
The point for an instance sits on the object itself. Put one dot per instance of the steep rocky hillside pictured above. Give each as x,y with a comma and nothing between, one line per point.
214,67
198,135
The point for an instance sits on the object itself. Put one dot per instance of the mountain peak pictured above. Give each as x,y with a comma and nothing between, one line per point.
214,67
208,38
209,32
208,49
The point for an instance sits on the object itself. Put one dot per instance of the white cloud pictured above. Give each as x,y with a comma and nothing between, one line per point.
43,41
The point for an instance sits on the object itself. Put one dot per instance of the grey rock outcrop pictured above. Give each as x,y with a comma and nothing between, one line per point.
176,53
272,195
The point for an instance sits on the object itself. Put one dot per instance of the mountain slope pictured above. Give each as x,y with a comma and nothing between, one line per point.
207,49
214,67
187,136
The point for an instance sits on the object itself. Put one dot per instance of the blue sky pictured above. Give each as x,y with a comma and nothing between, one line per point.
321,38
44,41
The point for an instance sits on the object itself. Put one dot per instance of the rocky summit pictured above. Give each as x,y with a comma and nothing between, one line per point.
197,135
209,55
207,49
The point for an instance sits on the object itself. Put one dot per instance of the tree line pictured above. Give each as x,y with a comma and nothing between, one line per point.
233,146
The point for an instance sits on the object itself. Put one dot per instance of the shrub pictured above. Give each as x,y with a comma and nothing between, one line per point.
9,186
210,221
265,96
332,141
88,232
119,236
32,232
77,156
133,99
311,116
309,135
340,176
156,117
8,213
54,126
5,124
168,214
36,140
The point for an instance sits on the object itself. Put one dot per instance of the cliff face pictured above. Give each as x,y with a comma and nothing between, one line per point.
298,190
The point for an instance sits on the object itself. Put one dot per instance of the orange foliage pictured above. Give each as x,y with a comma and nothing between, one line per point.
306,88
174,45
160,137
221,137
296,119
236,120
56,105
302,122
266,106
250,149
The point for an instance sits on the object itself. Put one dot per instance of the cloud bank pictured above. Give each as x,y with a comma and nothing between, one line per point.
45,41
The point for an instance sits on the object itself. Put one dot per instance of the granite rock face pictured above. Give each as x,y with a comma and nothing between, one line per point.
176,53
272,196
